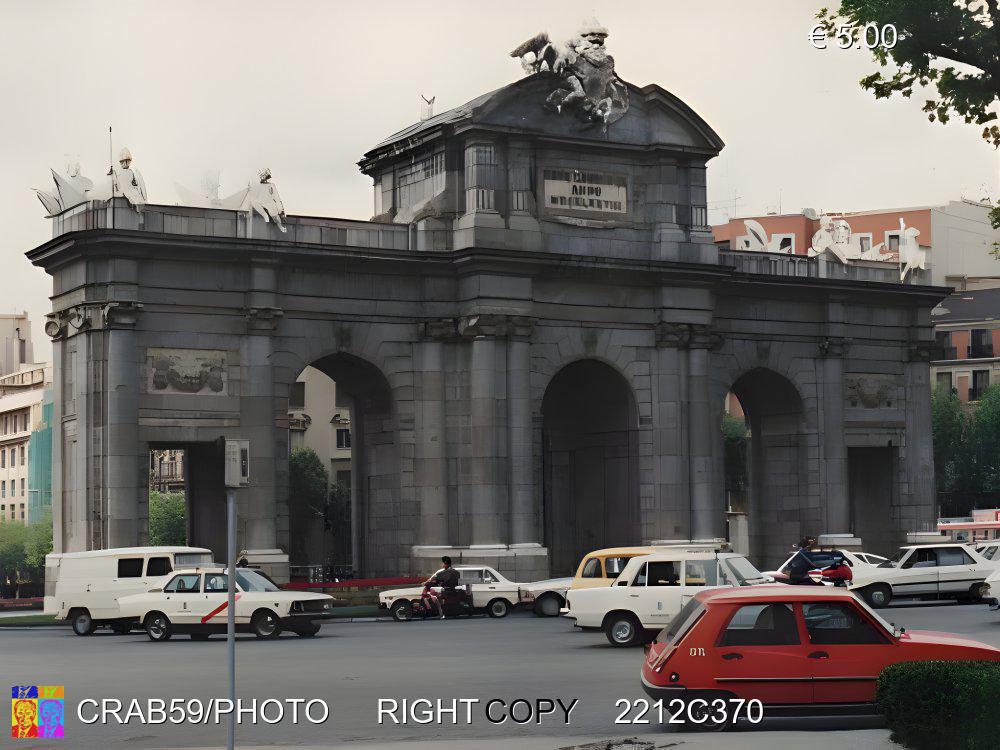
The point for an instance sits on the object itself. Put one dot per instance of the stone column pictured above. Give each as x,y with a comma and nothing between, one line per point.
126,496
430,448
833,350
487,493
706,518
524,511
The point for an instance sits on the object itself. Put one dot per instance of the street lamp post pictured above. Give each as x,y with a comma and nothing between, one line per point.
237,466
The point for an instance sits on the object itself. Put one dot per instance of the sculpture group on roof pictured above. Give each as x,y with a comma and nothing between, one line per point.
835,240
586,82
125,181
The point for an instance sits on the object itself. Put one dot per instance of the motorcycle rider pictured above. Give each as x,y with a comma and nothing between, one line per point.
447,578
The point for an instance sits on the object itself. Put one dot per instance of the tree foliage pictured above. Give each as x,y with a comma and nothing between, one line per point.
951,47
308,480
22,554
735,438
167,518
966,443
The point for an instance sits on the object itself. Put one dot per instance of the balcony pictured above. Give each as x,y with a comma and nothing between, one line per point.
223,224
980,351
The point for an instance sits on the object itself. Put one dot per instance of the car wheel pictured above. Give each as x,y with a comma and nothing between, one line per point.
698,717
498,608
976,593
308,631
878,596
83,623
121,628
622,629
158,627
264,624
200,636
401,610
548,605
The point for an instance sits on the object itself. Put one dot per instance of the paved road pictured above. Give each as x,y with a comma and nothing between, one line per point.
353,665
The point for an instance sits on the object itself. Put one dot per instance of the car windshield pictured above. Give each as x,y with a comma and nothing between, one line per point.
875,615
251,580
743,570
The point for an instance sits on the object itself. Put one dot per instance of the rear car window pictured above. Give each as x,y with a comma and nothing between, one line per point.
158,566
953,556
664,573
700,573
192,559
592,568
130,567
187,583
615,565
762,625
216,582
681,622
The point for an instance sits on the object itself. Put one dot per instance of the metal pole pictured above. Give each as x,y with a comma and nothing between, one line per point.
231,619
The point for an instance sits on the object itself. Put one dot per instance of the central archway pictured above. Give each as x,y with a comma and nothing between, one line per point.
363,427
590,463
777,464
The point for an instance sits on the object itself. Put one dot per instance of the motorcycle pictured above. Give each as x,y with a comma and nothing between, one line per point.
455,602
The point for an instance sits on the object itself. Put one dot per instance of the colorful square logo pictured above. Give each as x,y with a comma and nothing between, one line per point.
36,711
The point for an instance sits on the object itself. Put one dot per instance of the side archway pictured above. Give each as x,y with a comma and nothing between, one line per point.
589,462
777,461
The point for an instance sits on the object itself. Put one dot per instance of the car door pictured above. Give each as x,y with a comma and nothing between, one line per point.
474,577
660,598
182,598
846,651
498,586
957,571
759,654
917,574
215,600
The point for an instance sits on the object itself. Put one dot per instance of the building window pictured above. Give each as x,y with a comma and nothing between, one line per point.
892,240
22,455
3,489
980,382
343,439
297,396
981,343
13,457
3,424
943,341
3,459
943,382
22,486
864,241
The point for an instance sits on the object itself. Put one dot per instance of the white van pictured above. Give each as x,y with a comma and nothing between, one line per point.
84,587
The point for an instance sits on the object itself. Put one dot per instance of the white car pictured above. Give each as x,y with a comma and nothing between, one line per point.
491,592
652,589
546,597
990,550
794,569
195,601
937,571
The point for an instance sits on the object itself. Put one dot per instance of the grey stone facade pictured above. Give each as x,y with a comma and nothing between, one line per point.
448,318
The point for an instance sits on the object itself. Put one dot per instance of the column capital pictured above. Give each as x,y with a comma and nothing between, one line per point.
263,319
687,335
495,326
834,346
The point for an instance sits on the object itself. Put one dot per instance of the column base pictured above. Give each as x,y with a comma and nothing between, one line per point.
518,562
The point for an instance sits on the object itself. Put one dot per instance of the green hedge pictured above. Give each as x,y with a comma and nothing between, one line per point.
942,704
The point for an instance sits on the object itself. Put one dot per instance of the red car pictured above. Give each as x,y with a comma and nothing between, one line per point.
792,646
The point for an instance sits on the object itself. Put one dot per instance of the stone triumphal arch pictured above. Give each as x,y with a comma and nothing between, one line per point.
536,330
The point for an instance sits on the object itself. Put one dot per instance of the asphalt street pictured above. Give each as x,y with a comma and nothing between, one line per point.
352,666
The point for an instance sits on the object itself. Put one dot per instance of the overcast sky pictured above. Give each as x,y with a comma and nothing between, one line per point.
306,87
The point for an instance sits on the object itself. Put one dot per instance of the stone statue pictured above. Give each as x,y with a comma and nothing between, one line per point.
911,254
264,199
834,236
586,80
72,189
128,181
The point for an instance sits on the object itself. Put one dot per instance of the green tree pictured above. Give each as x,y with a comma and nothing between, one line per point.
12,548
950,47
308,480
167,518
949,425
984,441
736,442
